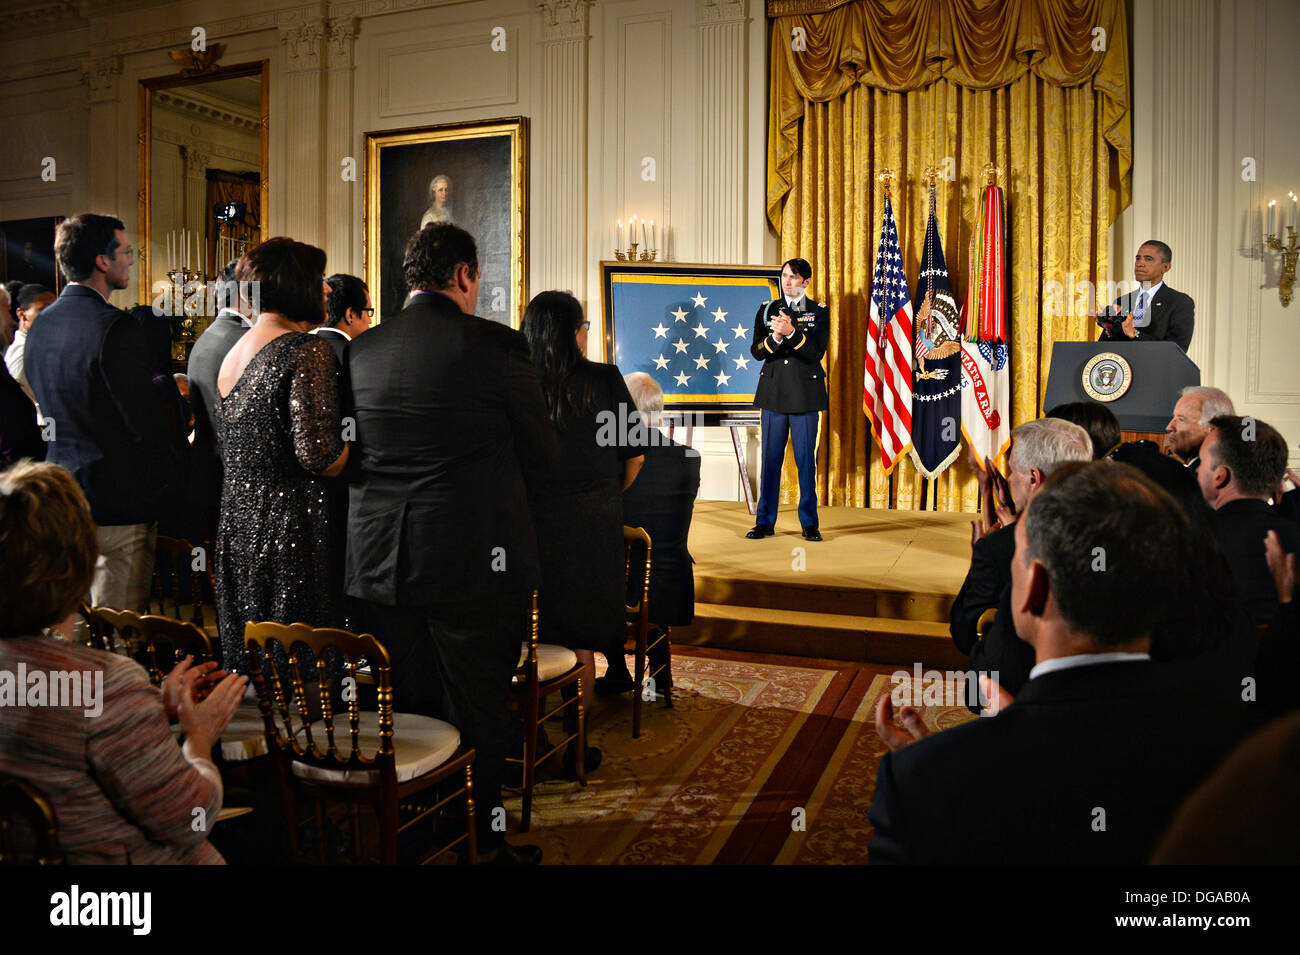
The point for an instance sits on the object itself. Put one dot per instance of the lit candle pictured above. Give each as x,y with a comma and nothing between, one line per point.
618,236
644,241
1295,213
1272,218
652,234
631,232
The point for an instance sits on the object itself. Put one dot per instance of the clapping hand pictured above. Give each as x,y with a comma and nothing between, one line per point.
783,325
197,680
1000,493
1129,330
890,734
1283,566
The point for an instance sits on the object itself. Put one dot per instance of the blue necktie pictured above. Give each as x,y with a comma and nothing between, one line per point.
1140,313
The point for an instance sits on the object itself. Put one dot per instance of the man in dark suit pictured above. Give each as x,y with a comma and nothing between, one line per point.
228,327
1089,761
790,336
20,435
1037,449
89,365
661,500
441,549
1154,312
1242,463
348,311
1190,423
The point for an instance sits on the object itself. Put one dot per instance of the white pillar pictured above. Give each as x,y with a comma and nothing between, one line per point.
303,139
342,234
721,135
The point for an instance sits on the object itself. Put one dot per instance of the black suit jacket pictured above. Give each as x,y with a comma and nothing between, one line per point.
338,341
90,367
450,418
1173,316
1241,526
990,571
792,380
662,499
1030,785
20,435
204,365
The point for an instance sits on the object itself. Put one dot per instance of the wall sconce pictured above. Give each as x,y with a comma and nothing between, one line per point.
1286,280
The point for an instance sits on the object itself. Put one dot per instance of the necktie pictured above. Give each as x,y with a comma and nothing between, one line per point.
1140,313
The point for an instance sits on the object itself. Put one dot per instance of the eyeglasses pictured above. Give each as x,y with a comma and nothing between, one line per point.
369,310
585,325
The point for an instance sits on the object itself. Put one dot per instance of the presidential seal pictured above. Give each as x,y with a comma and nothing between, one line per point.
1107,377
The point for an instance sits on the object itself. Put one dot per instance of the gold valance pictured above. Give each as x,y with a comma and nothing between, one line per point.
902,45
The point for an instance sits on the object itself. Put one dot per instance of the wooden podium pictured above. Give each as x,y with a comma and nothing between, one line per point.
1140,385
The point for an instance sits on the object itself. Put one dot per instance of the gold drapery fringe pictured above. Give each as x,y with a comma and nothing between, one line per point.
905,85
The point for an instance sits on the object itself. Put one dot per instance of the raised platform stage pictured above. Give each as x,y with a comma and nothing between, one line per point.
877,588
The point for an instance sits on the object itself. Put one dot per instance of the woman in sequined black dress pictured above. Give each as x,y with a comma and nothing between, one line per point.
281,440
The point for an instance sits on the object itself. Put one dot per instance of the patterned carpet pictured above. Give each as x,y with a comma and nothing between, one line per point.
761,760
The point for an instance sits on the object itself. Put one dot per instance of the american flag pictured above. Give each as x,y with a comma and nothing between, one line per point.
887,385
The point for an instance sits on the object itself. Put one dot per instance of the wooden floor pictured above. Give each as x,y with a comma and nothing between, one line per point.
877,588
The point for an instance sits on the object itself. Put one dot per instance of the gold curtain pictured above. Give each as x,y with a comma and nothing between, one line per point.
905,84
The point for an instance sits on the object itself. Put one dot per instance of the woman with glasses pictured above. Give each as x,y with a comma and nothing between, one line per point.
578,506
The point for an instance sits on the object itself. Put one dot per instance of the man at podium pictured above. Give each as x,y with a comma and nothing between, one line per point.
1154,311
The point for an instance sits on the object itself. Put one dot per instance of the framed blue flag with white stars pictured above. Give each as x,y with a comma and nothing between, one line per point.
689,327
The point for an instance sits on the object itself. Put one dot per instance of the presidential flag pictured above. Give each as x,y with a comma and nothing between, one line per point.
887,383
689,333
985,358
936,376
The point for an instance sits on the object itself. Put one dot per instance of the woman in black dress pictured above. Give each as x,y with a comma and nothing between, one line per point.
281,439
578,505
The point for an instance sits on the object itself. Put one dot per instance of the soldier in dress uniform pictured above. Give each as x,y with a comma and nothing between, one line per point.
790,336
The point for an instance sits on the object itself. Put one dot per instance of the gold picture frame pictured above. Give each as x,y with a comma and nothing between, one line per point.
486,164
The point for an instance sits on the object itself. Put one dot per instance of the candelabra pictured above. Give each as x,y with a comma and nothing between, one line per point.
183,310
1286,279
647,255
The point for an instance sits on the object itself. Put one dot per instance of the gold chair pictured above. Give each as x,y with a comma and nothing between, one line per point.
29,831
545,669
984,625
411,754
636,549
178,555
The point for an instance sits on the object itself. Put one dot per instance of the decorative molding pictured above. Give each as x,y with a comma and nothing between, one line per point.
100,75
303,45
196,160
722,11
176,100
564,19
341,35
193,143
43,68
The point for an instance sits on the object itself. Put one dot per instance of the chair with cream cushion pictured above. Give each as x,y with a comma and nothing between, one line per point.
392,762
545,669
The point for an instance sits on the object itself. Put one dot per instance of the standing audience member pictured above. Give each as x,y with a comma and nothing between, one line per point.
8,315
450,426
122,790
31,301
1098,420
20,435
1038,448
1190,424
87,363
228,327
578,506
1089,761
348,311
661,500
281,437
1242,461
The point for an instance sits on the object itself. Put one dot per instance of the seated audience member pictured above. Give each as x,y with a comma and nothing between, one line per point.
229,325
1191,421
88,365
1242,461
123,791
348,311
31,301
20,434
1037,449
1098,420
578,504
1087,763
661,500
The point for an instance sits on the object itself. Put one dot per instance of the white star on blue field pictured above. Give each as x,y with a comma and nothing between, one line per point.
693,338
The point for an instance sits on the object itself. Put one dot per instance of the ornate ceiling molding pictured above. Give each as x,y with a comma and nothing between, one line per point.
100,76
180,100
564,19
